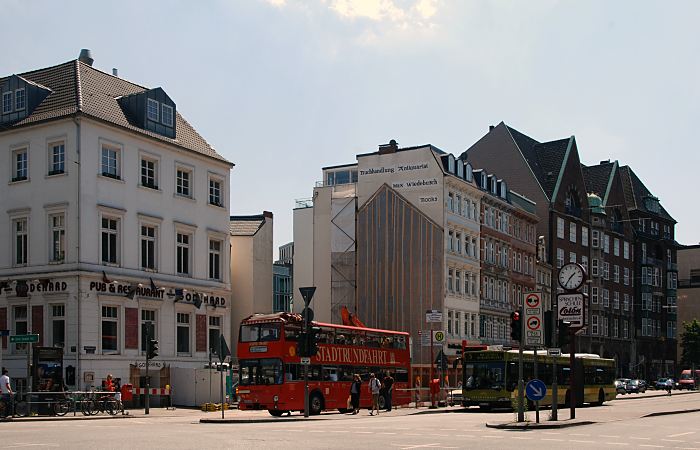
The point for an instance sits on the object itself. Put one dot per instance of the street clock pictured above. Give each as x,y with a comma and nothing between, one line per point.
571,276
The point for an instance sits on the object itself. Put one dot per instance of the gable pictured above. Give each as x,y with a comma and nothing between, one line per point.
152,110
19,98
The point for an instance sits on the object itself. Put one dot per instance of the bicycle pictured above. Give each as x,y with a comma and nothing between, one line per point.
105,403
13,409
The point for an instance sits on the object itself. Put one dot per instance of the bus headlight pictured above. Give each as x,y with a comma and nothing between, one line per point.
275,399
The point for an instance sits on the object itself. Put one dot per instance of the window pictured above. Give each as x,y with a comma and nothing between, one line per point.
616,300
110,162
626,276
615,330
594,295
449,322
57,158
572,232
214,333
183,333
21,325
148,247
560,228
671,329
572,257
215,197
7,102
616,247
605,326
149,173
450,201
606,243
560,258
20,99
183,253
458,204
152,110
450,240
594,267
606,270
458,243
21,241
584,262
616,273
167,115
214,259
58,325
625,329
606,298
449,280
458,281
148,327
58,237
626,302
626,250
110,327
594,325
110,240
584,236
183,179
21,165
595,239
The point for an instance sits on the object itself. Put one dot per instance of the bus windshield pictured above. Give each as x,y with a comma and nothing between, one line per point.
260,332
260,372
485,375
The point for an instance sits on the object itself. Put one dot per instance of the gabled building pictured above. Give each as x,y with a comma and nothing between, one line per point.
114,217
656,282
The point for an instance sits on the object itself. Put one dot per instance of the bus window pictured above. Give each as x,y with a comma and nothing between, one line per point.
330,374
399,342
486,375
401,376
260,332
260,371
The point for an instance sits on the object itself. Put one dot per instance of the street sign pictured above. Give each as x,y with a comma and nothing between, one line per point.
570,309
24,339
308,314
305,361
534,325
307,293
438,337
535,390
553,352
433,316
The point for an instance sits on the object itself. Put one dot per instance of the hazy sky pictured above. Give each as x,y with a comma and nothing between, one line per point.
283,88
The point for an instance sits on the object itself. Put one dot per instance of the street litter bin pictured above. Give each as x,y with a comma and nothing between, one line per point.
127,394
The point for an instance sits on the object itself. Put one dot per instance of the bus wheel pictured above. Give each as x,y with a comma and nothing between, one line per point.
315,404
275,412
601,398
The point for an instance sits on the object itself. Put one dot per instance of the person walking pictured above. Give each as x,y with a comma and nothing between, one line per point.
355,389
669,385
388,384
6,391
374,387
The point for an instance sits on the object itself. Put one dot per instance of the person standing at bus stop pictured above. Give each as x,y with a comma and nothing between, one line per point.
6,390
388,383
355,389
374,387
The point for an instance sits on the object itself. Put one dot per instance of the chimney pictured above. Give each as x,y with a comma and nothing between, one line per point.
391,147
491,127
86,56
115,72
267,214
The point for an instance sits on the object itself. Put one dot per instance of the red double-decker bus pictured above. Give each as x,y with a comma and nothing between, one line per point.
271,376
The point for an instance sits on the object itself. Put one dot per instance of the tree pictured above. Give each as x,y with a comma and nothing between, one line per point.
690,343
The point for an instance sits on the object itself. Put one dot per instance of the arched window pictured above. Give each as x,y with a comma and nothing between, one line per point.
572,204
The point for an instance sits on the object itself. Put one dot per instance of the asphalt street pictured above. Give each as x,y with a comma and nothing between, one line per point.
620,424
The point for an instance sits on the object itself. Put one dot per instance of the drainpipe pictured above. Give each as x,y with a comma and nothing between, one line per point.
78,373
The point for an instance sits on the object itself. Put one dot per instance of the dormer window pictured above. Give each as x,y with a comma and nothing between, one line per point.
494,188
153,110
460,169
7,102
451,164
167,115
469,175
483,180
20,99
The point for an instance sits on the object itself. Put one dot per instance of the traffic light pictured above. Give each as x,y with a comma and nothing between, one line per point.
152,349
516,326
303,345
563,333
312,340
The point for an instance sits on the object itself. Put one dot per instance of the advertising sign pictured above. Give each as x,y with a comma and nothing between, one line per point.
534,325
570,309
433,316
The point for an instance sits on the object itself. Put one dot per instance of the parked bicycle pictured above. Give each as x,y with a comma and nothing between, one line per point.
13,407
104,403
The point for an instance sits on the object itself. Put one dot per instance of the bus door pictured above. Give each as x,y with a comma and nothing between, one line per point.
332,387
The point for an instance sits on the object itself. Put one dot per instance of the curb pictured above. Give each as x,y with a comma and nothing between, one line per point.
64,418
537,426
261,420
668,413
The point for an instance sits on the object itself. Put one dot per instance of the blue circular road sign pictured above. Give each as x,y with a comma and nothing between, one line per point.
535,390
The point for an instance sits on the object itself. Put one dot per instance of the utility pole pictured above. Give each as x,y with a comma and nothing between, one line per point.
555,393
307,293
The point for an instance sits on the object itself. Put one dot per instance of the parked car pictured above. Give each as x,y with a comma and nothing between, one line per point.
660,384
636,386
621,385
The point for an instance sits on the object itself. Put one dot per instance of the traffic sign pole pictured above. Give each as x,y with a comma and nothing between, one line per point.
432,359
537,402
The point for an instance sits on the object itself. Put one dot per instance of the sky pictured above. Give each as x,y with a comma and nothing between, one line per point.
282,88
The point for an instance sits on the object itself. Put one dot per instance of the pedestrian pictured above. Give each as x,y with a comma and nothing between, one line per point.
374,387
109,383
6,391
388,385
355,389
669,385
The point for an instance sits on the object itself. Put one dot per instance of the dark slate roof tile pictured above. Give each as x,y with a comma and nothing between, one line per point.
597,178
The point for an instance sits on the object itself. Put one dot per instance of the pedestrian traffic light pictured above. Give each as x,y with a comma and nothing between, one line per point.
152,349
303,345
516,326
563,333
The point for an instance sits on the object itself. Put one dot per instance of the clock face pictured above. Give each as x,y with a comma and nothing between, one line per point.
571,276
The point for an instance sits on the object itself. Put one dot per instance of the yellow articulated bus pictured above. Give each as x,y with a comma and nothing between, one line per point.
490,378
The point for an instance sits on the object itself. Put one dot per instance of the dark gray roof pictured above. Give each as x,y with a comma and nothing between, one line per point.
78,88
597,178
246,225
636,191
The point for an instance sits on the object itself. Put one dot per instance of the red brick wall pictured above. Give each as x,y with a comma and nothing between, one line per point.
131,334
201,333
3,325
38,323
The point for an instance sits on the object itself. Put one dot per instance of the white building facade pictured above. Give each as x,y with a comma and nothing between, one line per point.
116,214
